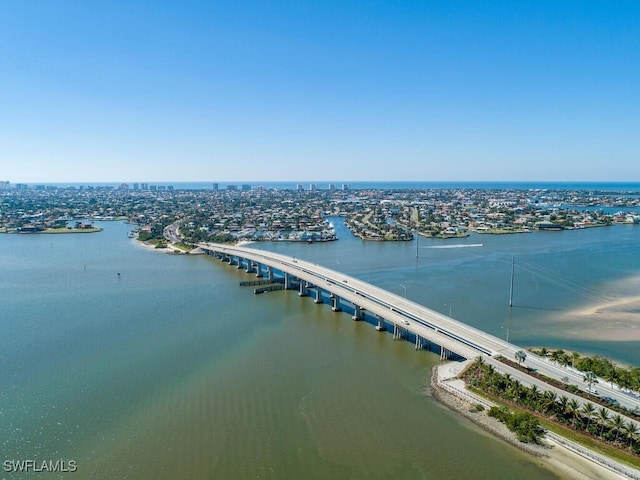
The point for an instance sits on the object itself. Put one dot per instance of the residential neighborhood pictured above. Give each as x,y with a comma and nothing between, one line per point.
263,214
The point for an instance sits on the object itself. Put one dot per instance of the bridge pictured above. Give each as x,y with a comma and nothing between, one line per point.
429,328
407,318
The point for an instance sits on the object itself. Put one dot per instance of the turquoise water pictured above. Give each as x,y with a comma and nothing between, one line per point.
171,370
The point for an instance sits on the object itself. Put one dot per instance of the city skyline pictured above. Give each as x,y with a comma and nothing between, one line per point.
365,91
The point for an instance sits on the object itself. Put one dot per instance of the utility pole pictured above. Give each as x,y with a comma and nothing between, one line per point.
513,262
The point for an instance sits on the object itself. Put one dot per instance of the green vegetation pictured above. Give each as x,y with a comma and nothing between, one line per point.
625,377
526,426
586,419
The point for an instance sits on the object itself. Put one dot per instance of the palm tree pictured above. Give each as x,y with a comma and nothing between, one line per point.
533,397
590,378
574,356
618,423
521,356
556,354
563,403
479,366
515,389
548,401
573,407
632,430
611,375
603,418
588,410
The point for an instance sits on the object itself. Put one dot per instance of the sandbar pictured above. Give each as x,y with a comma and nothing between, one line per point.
614,320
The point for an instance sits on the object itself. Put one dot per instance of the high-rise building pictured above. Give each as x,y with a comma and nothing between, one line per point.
215,187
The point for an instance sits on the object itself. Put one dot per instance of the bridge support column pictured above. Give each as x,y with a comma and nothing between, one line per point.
259,270
397,332
357,314
336,304
270,273
444,353
318,298
419,344
249,266
287,281
239,262
380,327
303,292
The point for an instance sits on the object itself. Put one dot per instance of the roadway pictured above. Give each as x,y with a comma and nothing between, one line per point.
453,335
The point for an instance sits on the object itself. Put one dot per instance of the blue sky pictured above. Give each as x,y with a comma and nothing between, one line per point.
348,90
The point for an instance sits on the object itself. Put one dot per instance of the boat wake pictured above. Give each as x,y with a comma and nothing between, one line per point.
460,245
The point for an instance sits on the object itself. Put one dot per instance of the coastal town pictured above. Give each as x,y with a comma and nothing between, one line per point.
249,213
549,412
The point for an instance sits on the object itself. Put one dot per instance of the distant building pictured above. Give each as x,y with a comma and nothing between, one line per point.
313,187
144,186
332,186
153,187
214,187
136,186
345,186
246,187
123,186
300,187
170,188
232,187
4,185
21,186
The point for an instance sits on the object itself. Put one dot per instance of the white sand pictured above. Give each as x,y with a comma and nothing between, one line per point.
615,320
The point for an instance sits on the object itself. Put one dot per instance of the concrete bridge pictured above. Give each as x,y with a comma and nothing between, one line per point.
390,311
407,319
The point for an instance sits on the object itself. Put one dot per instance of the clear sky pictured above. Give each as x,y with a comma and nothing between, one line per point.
325,90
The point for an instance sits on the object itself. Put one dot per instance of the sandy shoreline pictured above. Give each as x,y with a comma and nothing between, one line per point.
614,320
557,458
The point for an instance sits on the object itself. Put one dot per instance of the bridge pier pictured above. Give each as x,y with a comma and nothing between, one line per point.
380,327
259,270
318,298
336,304
357,314
270,273
303,292
239,261
287,281
419,344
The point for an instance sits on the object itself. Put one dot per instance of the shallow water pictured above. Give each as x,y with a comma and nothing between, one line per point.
170,370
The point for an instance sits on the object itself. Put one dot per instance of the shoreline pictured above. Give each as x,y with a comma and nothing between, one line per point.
613,320
557,456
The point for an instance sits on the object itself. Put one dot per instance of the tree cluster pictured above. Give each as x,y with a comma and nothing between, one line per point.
586,418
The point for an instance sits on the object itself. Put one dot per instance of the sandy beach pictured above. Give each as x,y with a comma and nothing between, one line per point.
557,458
614,320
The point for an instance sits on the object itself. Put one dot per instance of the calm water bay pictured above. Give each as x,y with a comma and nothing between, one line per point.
171,370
